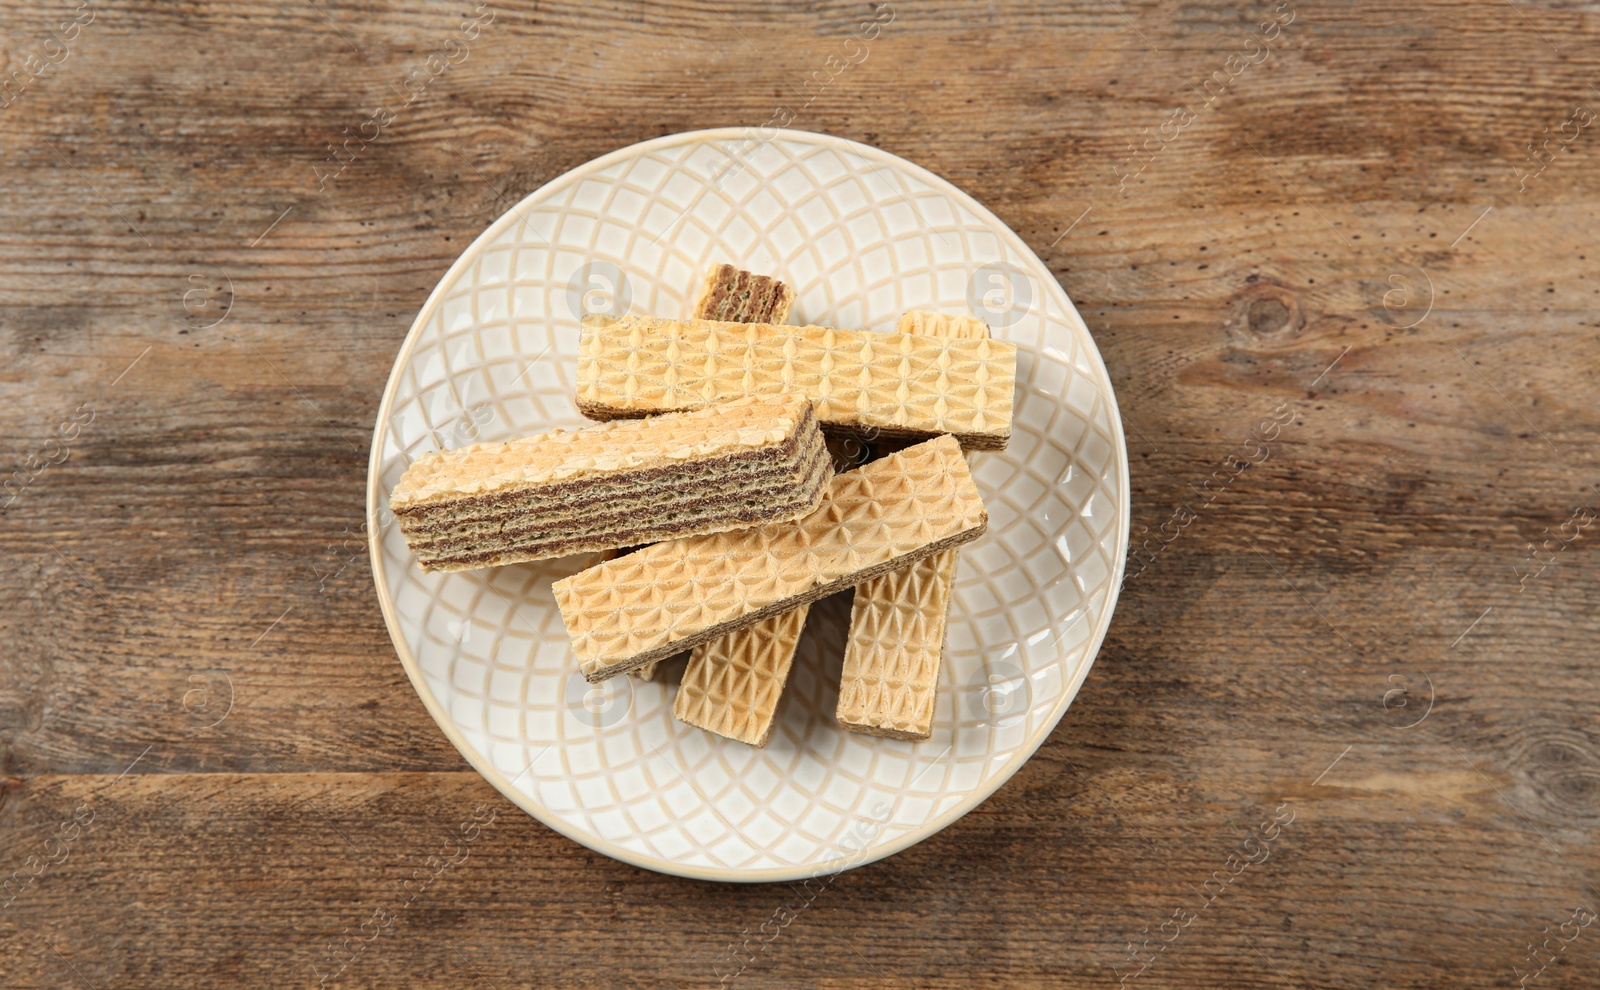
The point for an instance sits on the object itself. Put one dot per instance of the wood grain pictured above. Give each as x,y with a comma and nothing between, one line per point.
185,561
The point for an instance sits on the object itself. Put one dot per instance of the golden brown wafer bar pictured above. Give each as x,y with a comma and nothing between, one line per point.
616,484
897,621
733,683
879,384
739,296
891,658
650,604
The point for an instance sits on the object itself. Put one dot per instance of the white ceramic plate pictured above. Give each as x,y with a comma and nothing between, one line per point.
862,236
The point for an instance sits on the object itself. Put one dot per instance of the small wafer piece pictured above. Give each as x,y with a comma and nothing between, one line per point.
739,296
650,604
880,384
890,678
733,683
735,465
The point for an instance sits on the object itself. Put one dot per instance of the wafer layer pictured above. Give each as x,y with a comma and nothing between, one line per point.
739,296
733,683
650,604
617,484
897,620
889,384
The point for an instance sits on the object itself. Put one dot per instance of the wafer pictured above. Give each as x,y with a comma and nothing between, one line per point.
733,683
897,620
891,658
879,384
650,604
734,465
739,296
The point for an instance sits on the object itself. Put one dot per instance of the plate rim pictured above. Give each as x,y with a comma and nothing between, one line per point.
480,763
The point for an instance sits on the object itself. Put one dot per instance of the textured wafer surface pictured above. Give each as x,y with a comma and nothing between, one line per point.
739,296
630,611
891,658
897,620
592,451
733,683
890,384
927,322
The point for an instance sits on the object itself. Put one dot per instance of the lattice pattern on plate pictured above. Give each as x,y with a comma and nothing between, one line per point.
863,237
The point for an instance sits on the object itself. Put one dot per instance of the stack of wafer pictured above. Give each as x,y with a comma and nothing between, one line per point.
732,685
710,494
893,652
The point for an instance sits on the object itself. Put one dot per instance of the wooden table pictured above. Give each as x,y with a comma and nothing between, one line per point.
1373,617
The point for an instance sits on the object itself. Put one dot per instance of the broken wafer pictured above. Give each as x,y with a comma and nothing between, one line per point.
890,678
731,466
733,683
880,384
739,296
650,604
